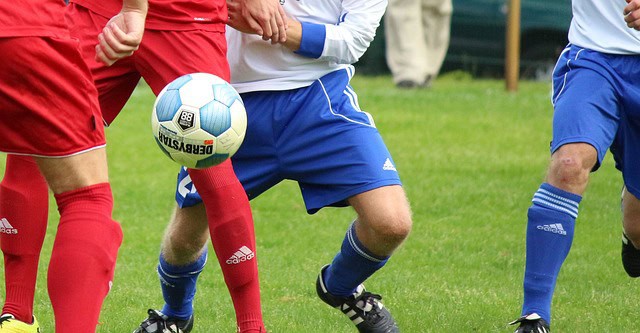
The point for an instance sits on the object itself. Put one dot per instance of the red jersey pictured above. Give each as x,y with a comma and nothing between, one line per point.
173,15
19,18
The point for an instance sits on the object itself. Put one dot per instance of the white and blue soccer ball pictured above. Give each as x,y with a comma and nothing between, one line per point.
199,120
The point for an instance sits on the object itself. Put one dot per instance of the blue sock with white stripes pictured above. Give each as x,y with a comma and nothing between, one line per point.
179,286
351,266
549,236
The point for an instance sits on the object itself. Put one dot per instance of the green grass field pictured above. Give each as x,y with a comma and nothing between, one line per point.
470,155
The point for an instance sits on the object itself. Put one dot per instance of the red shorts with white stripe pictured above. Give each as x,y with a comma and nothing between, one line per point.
48,102
163,56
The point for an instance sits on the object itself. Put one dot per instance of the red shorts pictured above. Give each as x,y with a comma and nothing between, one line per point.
48,103
162,57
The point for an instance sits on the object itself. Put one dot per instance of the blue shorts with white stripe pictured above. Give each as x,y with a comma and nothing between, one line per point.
315,135
596,98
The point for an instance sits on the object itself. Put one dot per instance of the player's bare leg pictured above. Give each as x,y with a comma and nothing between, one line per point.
185,239
184,245
384,221
631,217
86,237
570,167
631,233
74,172
184,252
64,176
551,222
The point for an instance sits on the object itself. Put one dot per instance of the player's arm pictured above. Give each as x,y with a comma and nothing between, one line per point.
344,42
123,33
263,17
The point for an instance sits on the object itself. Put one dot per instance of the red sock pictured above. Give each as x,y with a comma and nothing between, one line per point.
83,258
233,237
24,205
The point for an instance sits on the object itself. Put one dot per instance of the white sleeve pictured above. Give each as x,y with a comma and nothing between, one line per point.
347,41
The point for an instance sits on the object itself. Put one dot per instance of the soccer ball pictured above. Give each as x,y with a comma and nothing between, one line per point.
199,120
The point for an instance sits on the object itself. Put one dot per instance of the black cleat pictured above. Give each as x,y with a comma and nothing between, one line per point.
531,323
157,322
363,308
630,257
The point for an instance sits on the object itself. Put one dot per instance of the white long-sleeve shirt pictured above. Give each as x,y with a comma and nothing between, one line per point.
335,34
599,25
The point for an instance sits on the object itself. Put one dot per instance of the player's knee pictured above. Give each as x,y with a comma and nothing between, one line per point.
569,171
394,228
402,226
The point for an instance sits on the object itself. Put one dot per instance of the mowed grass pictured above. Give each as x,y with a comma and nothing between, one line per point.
470,155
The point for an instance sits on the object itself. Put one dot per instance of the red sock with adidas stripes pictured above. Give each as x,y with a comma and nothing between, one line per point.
83,258
24,205
233,237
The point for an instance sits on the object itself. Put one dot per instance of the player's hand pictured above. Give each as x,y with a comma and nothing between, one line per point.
121,36
632,14
263,17
236,20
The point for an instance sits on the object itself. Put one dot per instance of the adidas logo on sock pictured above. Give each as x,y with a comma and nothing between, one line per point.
164,281
7,228
555,228
388,165
243,254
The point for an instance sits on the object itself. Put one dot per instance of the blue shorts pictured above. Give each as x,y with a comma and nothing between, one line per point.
596,99
317,136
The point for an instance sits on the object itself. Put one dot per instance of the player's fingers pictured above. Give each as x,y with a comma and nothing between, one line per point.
235,15
630,7
101,57
283,16
281,23
127,42
275,38
108,48
113,46
111,40
635,24
255,26
264,19
632,17
267,31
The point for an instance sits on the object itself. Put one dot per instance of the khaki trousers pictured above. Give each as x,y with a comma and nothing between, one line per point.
417,37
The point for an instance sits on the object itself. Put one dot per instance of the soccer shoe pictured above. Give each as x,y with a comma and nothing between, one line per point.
630,257
9,324
157,322
531,323
363,308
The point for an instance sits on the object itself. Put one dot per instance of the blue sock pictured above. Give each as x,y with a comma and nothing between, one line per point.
351,266
179,286
549,236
